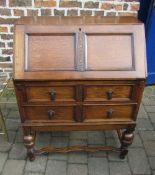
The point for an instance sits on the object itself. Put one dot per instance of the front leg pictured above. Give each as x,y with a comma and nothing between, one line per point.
29,144
126,141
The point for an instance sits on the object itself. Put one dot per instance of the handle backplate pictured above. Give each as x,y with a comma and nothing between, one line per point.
52,95
110,113
51,114
109,94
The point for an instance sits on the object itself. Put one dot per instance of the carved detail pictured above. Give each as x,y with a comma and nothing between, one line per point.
29,144
80,51
126,140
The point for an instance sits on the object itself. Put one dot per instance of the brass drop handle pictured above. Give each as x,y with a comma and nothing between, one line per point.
109,94
51,114
52,95
110,113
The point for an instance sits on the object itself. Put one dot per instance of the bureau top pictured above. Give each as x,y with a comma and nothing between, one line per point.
64,48
78,20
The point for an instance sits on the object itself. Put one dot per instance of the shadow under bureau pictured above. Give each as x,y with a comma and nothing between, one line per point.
79,73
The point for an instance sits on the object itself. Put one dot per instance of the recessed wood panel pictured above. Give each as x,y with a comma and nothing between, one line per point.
110,52
49,52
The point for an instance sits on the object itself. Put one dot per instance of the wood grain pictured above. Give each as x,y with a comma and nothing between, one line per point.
42,93
94,113
62,113
79,74
100,92
55,44
110,52
50,52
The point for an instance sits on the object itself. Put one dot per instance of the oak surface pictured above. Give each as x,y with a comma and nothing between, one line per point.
79,73
52,51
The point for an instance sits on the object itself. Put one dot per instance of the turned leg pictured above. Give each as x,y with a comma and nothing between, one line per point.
29,144
126,140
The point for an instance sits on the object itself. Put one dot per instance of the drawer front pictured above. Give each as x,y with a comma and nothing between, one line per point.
50,113
108,92
107,112
50,93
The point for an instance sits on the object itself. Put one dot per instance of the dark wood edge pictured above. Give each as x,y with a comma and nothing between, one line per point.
20,21
79,20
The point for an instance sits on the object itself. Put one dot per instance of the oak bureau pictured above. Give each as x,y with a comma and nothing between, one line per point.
79,73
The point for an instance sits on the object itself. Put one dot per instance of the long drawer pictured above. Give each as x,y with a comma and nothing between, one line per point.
82,91
81,113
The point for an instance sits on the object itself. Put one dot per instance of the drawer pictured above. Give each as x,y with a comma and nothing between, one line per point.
50,113
50,93
107,112
108,92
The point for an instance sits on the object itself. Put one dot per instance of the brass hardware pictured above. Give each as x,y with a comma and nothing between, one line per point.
109,113
51,114
52,95
109,94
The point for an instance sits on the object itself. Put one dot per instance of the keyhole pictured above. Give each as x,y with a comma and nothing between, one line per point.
79,29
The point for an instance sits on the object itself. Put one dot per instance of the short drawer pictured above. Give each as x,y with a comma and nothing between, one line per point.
50,93
50,113
108,92
108,112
